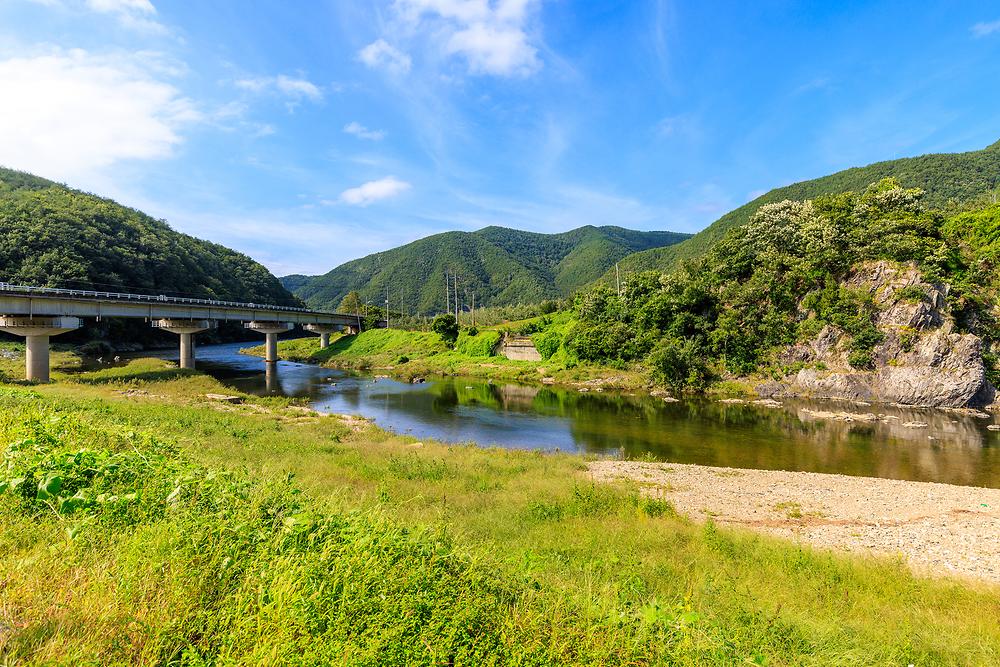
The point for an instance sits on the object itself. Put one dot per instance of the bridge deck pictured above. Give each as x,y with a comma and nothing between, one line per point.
21,300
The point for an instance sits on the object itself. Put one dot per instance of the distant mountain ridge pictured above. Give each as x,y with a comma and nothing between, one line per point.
54,236
949,180
501,266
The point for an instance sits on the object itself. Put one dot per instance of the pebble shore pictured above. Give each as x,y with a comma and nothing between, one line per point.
938,529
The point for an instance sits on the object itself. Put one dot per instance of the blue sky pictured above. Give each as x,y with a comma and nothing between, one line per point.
309,133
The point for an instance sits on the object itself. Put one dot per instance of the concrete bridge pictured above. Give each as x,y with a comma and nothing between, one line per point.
38,313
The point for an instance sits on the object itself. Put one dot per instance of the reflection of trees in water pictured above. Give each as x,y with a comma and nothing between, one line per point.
741,435
736,435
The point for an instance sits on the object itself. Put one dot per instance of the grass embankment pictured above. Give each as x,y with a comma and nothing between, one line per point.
143,523
410,354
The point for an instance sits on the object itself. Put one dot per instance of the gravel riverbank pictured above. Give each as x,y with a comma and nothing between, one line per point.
938,529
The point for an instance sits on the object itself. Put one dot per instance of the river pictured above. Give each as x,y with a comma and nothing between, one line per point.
952,448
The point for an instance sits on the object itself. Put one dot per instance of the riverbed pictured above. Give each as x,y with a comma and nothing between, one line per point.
910,444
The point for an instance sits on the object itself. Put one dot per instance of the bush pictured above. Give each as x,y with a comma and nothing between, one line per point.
911,294
480,345
680,365
547,343
446,327
861,359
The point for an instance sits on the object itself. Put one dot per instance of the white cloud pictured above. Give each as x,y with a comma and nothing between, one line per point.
122,6
362,132
373,191
983,29
135,14
491,37
70,114
382,55
296,88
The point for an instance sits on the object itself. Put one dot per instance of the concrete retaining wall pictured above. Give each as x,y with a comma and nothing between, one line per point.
518,348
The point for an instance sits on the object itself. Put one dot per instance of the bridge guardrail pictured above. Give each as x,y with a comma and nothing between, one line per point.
25,290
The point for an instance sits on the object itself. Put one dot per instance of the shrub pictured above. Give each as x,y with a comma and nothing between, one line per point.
446,327
861,359
480,345
547,343
911,294
680,365
907,337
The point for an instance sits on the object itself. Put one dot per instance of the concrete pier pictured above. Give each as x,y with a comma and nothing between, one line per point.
36,332
324,331
186,329
270,331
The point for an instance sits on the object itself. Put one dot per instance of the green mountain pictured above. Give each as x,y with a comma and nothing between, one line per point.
949,181
500,266
54,236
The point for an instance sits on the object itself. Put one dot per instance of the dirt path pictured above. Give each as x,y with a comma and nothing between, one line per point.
939,528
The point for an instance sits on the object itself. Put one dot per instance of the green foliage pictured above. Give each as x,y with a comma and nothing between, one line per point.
680,365
329,544
53,236
907,338
948,180
778,279
446,327
480,344
547,343
911,294
500,266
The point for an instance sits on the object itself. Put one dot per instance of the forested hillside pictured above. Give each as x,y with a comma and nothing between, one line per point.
949,181
798,273
500,266
54,236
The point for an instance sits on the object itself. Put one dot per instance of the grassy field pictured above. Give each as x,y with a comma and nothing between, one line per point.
146,524
410,354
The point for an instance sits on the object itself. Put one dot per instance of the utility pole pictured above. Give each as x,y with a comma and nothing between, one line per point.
447,294
387,305
618,280
473,309
456,298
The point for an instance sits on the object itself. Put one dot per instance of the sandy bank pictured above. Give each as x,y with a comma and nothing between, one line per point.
938,528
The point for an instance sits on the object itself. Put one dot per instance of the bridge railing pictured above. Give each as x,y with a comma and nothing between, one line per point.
25,290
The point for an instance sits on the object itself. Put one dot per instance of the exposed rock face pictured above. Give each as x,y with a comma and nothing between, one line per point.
920,361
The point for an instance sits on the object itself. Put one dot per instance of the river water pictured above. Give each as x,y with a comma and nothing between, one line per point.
952,448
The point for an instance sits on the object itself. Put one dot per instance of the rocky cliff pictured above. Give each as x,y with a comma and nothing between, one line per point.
920,361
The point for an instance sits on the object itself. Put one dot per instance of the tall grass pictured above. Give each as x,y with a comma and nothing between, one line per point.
262,534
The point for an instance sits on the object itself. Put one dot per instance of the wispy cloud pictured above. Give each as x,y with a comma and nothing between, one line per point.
294,87
382,55
818,83
362,132
373,191
135,14
984,28
680,126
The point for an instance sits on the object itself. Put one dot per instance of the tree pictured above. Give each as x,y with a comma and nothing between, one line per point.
351,303
446,327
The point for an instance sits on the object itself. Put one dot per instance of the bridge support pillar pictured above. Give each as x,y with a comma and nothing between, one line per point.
36,332
270,331
324,331
186,329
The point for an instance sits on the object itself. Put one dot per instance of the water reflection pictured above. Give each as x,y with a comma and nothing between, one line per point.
953,448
